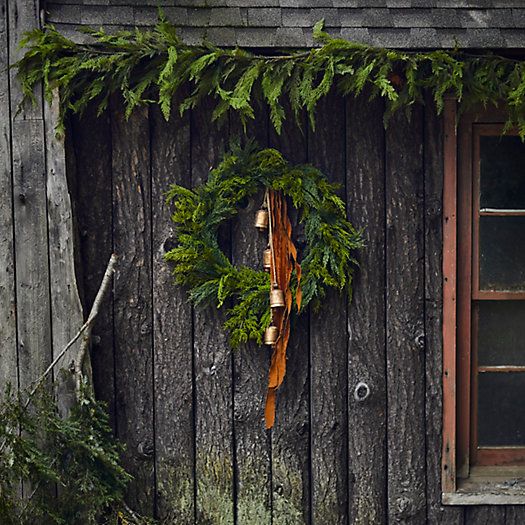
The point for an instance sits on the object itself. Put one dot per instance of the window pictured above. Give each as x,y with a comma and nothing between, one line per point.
483,311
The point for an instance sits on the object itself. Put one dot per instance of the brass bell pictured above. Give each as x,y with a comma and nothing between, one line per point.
267,259
271,334
276,298
261,219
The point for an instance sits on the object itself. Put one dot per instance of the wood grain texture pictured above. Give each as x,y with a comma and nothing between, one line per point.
433,153
515,515
133,300
251,363
485,515
365,196
22,16
291,433
172,325
328,344
215,452
90,139
8,350
30,218
405,319
31,250
66,309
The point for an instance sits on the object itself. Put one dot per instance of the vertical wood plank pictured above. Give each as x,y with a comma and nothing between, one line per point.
66,308
405,319
328,344
251,364
514,515
172,324
30,214
133,300
434,171
291,433
365,195
215,455
485,515
90,139
8,350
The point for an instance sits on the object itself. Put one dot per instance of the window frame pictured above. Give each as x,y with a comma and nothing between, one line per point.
462,484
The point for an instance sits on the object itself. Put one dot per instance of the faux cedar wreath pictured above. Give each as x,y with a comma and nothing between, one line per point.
150,66
263,302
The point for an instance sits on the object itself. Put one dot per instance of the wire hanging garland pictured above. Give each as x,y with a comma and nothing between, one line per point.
261,302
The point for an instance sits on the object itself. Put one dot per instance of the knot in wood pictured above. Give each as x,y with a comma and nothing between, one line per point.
361,391
146,450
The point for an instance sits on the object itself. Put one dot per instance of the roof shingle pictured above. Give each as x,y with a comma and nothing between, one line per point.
267,23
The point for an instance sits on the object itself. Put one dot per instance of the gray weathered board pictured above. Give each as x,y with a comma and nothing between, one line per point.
191,411
40,309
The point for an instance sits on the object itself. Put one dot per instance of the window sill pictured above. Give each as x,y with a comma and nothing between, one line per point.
489,486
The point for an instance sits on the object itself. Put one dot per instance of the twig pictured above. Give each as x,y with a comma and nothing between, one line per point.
86,327
104,286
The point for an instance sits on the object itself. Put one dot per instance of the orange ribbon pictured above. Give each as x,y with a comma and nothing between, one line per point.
285,259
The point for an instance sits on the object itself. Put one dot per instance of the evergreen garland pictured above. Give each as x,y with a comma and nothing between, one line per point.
201,265
151,66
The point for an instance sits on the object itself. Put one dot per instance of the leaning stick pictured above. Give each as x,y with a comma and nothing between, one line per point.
86,327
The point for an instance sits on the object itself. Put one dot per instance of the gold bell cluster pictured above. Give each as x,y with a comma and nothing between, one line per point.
263,223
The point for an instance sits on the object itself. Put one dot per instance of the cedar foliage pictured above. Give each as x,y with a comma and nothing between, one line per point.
70,467
150,66
201,265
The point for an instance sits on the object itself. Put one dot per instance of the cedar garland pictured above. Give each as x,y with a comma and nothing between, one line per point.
150,67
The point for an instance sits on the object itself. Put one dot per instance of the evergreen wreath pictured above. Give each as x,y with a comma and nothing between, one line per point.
201,265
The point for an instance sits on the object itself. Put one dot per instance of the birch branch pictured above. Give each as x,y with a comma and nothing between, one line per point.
88,325
85,329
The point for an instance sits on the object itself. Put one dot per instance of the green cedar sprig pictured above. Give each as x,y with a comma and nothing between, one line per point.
150,66
77,455
201,265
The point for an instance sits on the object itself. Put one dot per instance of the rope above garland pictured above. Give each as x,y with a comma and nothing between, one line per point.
150,67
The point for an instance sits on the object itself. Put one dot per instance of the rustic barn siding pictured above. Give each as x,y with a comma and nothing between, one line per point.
191,411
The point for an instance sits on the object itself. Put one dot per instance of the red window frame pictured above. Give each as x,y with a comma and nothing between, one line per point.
461,293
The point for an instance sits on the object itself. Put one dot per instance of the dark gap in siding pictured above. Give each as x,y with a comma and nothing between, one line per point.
192,335
115,396
235,468
424,292
346,315
269,433
385,312
309,379
151,123
10,140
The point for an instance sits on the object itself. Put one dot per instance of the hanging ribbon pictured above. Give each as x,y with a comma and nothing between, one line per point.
283,263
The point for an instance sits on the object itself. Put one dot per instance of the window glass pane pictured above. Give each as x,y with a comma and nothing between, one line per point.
502,172
501,417
502,253
501,333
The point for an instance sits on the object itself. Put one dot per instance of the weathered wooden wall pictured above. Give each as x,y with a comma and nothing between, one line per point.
39,302
191,411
